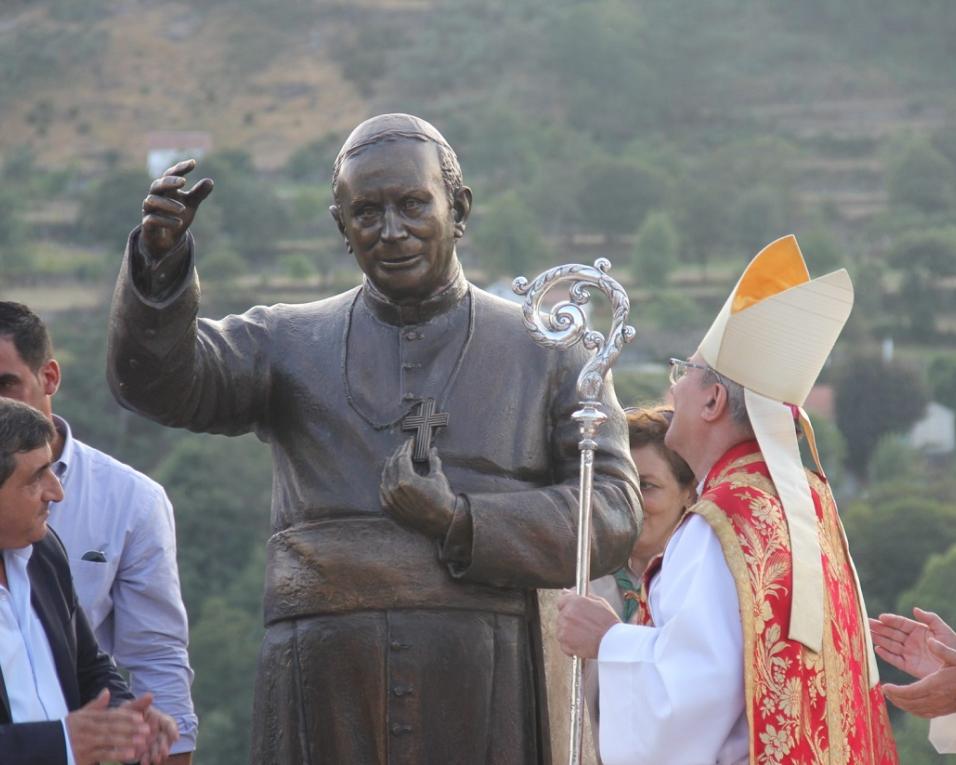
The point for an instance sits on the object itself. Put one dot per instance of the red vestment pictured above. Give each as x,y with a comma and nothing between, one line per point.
802,706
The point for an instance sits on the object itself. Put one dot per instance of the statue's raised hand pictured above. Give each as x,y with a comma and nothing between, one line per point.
169,210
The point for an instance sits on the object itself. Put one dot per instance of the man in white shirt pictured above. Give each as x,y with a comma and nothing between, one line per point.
56,686
117,526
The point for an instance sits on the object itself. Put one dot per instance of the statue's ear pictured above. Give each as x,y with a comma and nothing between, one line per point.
336,214
462,209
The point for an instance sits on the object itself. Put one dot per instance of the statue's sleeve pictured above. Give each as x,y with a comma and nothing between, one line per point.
528,538
168,365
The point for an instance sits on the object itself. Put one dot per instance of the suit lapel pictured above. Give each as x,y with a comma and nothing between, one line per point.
4,701
46,597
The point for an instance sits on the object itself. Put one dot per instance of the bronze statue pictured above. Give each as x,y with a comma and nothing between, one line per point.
425,466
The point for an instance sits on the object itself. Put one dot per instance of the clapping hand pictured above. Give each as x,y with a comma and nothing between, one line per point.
162,730
98,732
924,648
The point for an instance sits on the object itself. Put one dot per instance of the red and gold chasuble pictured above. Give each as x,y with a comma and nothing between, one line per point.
802,707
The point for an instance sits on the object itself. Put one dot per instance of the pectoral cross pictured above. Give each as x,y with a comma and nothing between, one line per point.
423,424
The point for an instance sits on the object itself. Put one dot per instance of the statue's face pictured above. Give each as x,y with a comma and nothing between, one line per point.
393,209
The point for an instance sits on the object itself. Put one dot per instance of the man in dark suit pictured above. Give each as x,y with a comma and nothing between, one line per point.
62,702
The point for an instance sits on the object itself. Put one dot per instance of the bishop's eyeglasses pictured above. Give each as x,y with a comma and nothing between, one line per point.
679,367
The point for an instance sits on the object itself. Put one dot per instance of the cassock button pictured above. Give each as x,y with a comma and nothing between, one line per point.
402,690
398,646
411,335
399,730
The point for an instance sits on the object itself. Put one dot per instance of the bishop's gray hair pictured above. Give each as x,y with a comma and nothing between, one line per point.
736,401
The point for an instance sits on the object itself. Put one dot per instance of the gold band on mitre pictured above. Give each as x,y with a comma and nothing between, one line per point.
772,337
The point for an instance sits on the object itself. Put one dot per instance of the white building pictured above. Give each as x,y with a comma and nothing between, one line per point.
935,433
167,147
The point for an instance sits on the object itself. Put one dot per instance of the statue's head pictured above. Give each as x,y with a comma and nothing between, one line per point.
400,204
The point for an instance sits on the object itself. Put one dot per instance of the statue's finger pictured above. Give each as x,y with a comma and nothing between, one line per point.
154,222
155,203
434,461
388,472
181,168
167,184
199,192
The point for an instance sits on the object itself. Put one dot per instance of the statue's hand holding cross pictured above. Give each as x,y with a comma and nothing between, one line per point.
425,503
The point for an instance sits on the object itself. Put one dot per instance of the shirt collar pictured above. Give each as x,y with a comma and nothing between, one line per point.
17,557
62,466
414,313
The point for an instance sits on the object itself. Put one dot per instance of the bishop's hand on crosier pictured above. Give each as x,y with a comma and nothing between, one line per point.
169,210
425,503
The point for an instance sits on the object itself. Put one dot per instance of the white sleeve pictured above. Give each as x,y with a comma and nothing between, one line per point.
942,734
674,692
150,629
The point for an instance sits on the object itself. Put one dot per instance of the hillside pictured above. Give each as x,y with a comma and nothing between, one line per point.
84,82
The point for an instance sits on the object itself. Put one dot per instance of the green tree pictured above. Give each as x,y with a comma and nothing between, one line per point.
111,207
933,591
922,177
924,257
313,162
14,256
636,388
821,249
251,214
893,458
873,398
890,536
760,215
942,379
507,237
221,491
656,250
224,644
615,196
702,218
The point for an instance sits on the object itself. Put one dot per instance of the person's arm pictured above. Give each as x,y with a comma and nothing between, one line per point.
150,628
168,365
673,692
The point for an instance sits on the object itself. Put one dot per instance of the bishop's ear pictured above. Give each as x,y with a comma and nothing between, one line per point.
462,209
716,404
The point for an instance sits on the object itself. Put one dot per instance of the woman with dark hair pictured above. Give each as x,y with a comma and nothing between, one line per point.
667,485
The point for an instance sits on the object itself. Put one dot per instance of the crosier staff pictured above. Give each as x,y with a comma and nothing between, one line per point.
564,326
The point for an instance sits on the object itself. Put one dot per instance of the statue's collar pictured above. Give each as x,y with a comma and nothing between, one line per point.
414,313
